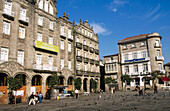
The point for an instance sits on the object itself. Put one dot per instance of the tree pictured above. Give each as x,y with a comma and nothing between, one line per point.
126,78
155,75
93,84
53,82
77,83
15,83
108,80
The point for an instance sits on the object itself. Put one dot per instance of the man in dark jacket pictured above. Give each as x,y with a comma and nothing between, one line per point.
32,99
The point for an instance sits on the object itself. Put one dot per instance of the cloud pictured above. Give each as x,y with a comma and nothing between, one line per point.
100,29
114,10
152,12
115,4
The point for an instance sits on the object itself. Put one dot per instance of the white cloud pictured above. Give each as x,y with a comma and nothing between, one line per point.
115,4
100,29
114,10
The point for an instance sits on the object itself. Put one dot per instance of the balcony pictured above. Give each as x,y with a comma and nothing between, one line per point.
91,50
2,61
70,38
23,19
96,51
63,35
91,61
111,61
45,68
79,45
157,45
8,14
97,62
79,58
85,47
159,58
86,60
79,72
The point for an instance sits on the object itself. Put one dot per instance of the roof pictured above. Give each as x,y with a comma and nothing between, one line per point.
111,55
135,37
167,64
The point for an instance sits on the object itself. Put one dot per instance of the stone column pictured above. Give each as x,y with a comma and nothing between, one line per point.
88,85
43,90
28,88
81,89
98,87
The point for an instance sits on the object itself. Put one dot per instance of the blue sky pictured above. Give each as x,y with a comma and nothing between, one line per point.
114,20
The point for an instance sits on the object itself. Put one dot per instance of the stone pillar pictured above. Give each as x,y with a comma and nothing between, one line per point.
88,85
43,90
98,87
81,89
65,84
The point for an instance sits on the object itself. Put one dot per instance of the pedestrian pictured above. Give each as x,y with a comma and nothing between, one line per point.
32,99
155,89
114,89
40,95
36,97
76,92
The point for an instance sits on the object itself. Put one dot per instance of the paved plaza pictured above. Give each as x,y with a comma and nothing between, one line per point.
120,101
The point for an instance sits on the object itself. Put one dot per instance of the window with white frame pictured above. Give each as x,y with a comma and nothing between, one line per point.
85,69
160,66
6,27
114,67
158,53
51,25
38,59
85,32
84,42
39,37
8,5
78,66
85,54
40,4
96,57
145,68
90,44
78,39
69,65
50,60
69,47
144,54
69,33
62,63
134,55
106,67
40,20
88,33
126,69
95,46
126,56
125,47
46,6
90,67
4,54
20,57
62,44
134,45
136,68
51,9
62,30
50,40
91,35
143,43
157,43
23,12
90,56
21,32
78,53
82,30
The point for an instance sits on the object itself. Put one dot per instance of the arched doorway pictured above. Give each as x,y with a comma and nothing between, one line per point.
70,84
36,83
21,93
3,88
85,85
91,80
61,84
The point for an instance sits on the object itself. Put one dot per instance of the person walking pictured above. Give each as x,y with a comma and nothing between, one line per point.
155,89
32,99
40,95
76,92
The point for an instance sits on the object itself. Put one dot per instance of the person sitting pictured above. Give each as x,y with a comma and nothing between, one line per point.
32,100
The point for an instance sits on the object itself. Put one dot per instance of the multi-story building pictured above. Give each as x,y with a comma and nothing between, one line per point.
87,55
112,70
139,56
167,69
35,43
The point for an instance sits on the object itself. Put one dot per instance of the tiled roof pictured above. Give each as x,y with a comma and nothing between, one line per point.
167,64
134,37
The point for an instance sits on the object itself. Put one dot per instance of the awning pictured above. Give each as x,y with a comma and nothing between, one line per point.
165,79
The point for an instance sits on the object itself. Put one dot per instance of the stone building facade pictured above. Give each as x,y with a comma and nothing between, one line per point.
167,69
35,43
139,56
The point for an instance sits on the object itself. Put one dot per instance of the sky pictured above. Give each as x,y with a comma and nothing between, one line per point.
114,20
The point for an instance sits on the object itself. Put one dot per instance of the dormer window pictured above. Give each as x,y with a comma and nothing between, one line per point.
8,5
46,6
134,45
51,9
143,43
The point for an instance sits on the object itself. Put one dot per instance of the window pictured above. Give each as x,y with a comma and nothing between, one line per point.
90,67
136,68
126,56
23,12
82,30
40,4
78,66
158,53
21,32
134,45
78,53
160,66
69,65
38,59
51,25
46,6
69,33
62,44
88,33
125,47
78,39
84,42
85,32
135,55
50,60
69,47
8,5
39,37
90,44
62,30
40,20
126,69
84,54
157,43
85,67
51,9
142,43
62,63
90,56
144,54
106,67
111,58
96,57
114,67
6,27
4,54
95,46
20,57
50,40
145,68
91,35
